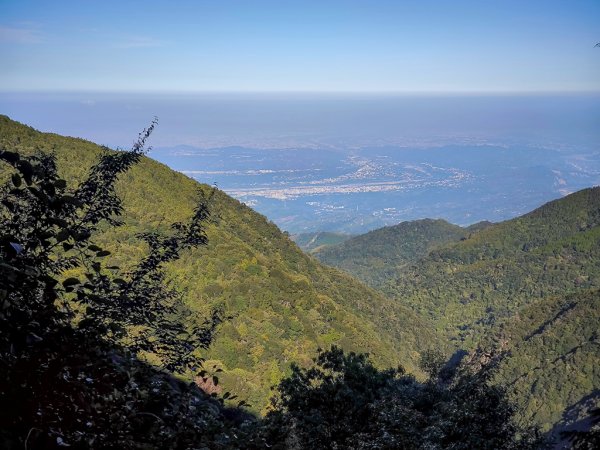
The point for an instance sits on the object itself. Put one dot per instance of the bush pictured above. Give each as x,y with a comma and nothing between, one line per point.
343,401
66,378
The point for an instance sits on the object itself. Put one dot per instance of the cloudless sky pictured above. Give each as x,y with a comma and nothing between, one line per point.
279,45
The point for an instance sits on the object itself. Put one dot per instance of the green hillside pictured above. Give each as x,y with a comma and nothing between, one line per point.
554,357
283,303
377,256
530,283
465,287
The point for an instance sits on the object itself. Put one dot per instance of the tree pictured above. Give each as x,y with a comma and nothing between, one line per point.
325,406
65,377
343,401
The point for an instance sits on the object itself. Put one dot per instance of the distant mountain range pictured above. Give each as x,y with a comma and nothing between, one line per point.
376,256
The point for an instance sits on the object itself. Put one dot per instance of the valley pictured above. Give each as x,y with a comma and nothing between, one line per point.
353,191
527,287
283,304
316,225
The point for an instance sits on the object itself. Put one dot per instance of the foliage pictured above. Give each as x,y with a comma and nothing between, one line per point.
75,329
47,230
377,256
343,401
283,304
432,362
66,378
554,359
468,285
532,281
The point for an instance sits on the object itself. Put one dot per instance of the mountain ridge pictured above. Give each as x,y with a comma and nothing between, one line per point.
374,256
530,284
283,303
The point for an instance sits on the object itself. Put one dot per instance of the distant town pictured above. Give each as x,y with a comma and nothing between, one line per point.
353,191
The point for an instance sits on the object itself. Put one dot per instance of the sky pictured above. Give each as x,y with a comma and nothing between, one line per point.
321,46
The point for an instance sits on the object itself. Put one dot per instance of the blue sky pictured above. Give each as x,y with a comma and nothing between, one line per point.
325,45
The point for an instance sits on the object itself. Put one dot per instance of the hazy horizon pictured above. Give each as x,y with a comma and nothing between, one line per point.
264,120
350,162
374,87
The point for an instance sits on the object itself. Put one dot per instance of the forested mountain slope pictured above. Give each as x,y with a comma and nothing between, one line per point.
377,256
283,304
553,362
530,283
466,286
466,278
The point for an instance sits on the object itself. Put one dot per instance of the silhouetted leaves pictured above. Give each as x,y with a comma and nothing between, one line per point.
71,382
343,401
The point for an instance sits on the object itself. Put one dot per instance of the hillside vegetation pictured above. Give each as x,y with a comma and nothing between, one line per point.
465,279
553,362
282,304
530,283
377,256
465,287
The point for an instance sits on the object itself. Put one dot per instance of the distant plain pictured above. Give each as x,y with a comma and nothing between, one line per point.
351,162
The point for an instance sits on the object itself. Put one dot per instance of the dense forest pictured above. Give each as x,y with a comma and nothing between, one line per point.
282,304
142,310
376,256
531,282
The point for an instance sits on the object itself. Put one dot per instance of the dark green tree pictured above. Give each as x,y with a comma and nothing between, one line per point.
65,377
327,405
432,362
345,402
